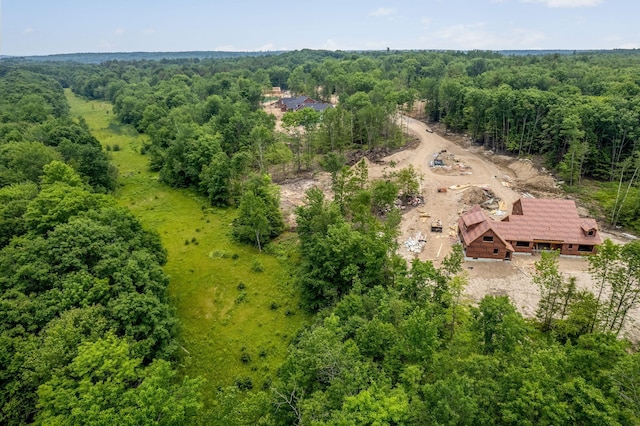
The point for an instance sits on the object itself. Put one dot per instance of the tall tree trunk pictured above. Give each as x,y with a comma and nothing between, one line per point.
616,217
258,240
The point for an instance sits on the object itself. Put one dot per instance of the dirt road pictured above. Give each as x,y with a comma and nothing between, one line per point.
505,178
501,175
445,206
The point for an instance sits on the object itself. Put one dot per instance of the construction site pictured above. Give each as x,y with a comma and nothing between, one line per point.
457,175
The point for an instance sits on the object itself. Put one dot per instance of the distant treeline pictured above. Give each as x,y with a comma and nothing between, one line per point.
578,110
98,58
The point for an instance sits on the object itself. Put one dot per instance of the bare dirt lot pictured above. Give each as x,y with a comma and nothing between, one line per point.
469,175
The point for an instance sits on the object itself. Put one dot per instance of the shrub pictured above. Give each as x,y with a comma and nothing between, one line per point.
244,383
116,147
266,385
218,253
241,297
257,266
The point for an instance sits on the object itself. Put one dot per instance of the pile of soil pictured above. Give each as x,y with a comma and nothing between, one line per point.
473,196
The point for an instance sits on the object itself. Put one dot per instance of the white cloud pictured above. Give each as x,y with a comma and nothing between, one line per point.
473,36
330,44
119,31
613,37
480,36
226,48
107,45
426,20
266,47
376,45
383,11
566,3
629,46
29,30
149,31
526,38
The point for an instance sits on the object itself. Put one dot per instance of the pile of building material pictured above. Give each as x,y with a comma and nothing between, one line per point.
415,244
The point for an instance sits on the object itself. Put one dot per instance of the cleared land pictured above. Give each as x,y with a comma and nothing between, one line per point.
236,323
477,176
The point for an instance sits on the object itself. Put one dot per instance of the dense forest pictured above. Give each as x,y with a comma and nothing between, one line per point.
89,334
579,112
87,331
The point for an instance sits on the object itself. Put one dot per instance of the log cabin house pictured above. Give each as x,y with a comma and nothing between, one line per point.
534,225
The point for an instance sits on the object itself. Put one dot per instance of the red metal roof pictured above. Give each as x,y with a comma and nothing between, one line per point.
476,223
542,220
474,216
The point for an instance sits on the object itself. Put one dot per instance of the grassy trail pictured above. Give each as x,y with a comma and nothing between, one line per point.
236,323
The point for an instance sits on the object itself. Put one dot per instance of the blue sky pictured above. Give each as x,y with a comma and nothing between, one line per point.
39,27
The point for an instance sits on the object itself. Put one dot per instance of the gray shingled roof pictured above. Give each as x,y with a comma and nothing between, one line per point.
293,104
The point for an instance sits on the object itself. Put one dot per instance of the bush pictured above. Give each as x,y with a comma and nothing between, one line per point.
244,383
116,147
257,266
219,254
266,385
241,297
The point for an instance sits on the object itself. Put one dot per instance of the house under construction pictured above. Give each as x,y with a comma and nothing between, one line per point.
534,225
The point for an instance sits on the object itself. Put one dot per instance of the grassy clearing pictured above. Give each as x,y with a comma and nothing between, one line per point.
236,322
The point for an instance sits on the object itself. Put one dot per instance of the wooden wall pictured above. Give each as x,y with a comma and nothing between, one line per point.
480,249
519,249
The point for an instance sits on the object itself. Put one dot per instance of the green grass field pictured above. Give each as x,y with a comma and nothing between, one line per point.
236,323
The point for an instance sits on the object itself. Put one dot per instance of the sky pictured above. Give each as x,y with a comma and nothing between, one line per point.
42,27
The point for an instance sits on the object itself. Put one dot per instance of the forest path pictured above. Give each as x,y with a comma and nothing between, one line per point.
220,319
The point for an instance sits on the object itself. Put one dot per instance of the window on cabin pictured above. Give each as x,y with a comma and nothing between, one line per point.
591,232
487,239
570,246
584,247
495,251
522,243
